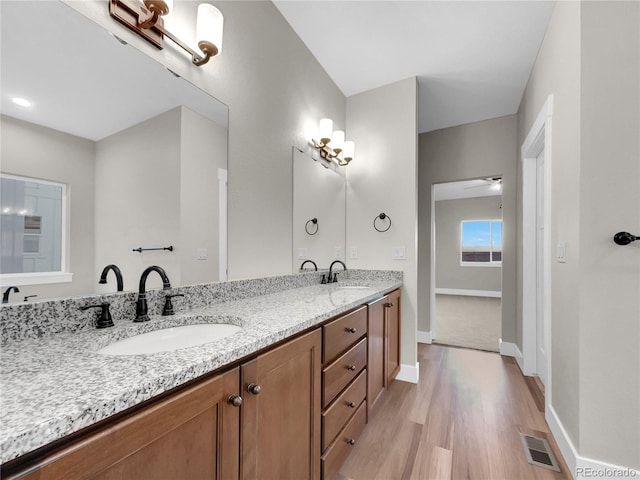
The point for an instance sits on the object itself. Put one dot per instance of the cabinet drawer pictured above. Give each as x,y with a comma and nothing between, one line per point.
340,373
334,419
338,452
342,333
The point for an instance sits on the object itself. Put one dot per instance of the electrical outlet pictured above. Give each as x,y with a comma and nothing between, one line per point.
353,252
337,252
303,253
202,254
561,252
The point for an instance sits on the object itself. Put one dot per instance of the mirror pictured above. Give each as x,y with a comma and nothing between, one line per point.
142,153
319,193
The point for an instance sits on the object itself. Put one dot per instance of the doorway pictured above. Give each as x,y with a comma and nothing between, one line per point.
467,263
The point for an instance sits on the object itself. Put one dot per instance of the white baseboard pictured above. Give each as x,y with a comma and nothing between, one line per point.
409,373
511,350
582,467
468,293
424,337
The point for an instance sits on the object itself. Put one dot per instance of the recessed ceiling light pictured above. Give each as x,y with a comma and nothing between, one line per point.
23,102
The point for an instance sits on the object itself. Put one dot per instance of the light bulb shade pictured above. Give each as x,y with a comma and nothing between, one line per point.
348,150
326,130
209,28
337,140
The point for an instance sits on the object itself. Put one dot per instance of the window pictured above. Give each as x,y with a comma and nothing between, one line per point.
481,243
32,227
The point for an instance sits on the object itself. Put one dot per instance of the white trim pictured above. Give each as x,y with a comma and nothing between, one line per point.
37,278
577,464
432,269
222,224
538,139
509,349
469,293
409,373
424,337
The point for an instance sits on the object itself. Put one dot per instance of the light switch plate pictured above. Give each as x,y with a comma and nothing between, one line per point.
561,252
398,253
337,252
353,252
202,254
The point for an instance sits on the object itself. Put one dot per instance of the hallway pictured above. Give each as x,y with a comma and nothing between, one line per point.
461,421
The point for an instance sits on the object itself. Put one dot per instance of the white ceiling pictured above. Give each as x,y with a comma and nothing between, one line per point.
481,187
472,58
80,79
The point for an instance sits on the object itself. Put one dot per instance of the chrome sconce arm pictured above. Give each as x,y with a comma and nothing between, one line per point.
145,17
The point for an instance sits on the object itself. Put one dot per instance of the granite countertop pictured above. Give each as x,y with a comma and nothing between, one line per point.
54,386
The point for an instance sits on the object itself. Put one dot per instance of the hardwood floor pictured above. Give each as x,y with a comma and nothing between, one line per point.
461,421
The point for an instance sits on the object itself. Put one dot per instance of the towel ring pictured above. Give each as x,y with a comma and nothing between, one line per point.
313,221
382,216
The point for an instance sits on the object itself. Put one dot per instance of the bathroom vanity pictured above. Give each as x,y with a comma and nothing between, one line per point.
285,396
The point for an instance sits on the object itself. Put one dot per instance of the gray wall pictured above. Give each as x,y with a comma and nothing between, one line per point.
589,61
476,150
449,272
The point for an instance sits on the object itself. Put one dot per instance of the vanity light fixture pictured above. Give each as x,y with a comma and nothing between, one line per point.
23,102
340,151
145,17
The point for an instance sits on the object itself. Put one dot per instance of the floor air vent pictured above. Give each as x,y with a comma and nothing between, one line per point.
539,452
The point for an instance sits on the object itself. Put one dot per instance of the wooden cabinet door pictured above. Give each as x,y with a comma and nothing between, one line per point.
193,434
376,362
392,334
281,421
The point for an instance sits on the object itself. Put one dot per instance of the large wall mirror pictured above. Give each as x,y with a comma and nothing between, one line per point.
140,155
319,211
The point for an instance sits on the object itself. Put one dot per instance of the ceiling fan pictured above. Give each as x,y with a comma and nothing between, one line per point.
495,183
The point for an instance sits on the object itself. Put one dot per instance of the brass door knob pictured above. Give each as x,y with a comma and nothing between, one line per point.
235,400
253,389
351,367
351,405
351,441
351,330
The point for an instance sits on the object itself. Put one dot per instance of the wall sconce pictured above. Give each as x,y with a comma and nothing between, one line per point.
340,151
145,17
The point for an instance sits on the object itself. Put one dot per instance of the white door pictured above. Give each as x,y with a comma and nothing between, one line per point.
541,354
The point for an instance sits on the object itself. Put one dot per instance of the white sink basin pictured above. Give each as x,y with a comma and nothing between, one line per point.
169,339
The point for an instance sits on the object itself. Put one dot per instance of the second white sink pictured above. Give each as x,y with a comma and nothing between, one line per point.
169,339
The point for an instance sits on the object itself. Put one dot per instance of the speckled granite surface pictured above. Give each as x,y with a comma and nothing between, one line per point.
53,382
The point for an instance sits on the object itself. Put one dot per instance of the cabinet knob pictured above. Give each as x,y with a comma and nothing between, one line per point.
235,400
388,305
351,405
351,441
350,330
351,367
253,389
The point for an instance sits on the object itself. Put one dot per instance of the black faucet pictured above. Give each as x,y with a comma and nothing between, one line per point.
141,305
311,262
5,295
333,277
118,273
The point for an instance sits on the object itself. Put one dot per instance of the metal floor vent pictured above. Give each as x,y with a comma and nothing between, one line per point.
539,452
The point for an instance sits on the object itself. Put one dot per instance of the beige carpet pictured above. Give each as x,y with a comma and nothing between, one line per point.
471,322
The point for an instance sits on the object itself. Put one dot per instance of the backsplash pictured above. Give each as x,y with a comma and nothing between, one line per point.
37,319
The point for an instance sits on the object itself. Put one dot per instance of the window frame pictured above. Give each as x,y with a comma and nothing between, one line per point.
491,263
39,278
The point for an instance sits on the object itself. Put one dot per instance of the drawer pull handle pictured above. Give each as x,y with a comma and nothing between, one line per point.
253,389
351,330
351,367
351,441
235,400
351,405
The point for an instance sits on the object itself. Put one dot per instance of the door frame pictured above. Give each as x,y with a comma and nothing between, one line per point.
538,140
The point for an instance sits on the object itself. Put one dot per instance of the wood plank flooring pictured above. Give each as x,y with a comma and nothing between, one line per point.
461,421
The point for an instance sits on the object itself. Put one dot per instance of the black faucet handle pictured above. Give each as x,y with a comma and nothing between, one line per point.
335,277
26,299
324,279
104,319
168,304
